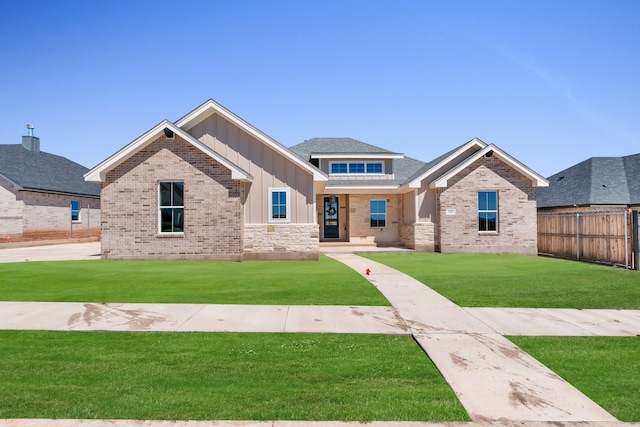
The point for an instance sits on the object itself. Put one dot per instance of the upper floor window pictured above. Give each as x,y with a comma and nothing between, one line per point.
75,211
378,213
171,201
357,167
487,211
279,206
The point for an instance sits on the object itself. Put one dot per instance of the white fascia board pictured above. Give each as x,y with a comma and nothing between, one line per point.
357,156
372,189
474,143
98,173
210,107
536,179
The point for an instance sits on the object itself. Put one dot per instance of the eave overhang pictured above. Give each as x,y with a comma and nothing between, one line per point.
537,180
98,173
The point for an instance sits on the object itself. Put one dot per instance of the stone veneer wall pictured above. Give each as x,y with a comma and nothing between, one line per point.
282,241
213,206
418,236
517,219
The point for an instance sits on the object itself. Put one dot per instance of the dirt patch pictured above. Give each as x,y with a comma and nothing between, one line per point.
137,319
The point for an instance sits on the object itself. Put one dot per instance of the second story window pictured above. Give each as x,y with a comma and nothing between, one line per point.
357,168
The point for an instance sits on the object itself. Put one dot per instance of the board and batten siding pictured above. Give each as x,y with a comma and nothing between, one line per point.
269,168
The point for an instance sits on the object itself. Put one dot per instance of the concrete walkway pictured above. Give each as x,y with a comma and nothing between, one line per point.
498,384
492,377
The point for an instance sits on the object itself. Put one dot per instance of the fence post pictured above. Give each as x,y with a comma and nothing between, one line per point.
578,236
634,241
626,239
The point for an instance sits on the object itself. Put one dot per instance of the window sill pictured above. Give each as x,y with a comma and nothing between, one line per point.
489,233
170,235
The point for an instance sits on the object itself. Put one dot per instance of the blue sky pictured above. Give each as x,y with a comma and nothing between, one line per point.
550,82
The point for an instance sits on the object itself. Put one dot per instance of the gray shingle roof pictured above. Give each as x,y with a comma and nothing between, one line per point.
335,145
44,172
595,181
403,168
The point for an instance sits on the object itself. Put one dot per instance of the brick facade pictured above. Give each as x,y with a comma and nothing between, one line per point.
517,219
213,206
39,215
360,230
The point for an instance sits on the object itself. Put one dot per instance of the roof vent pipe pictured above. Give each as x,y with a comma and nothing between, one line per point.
30,142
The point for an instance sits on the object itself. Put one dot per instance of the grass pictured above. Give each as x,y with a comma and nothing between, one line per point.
519,281
603,368
324,282
197,376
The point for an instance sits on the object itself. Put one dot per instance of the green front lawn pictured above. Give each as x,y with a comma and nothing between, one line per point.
603,368
324,282
519,281
197,376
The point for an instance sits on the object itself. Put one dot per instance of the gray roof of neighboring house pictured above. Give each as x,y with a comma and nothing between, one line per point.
45,172
595,181
404,168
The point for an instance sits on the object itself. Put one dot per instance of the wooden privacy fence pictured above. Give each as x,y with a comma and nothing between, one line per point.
593,236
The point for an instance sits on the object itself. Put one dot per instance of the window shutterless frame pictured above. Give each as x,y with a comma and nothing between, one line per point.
279,205
488,211
75,211
374,168
377,213
171,207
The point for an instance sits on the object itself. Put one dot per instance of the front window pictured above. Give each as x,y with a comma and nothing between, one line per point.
378,213
487,211
279,205
75,211
171,207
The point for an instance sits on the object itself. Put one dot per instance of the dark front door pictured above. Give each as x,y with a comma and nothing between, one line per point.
331,222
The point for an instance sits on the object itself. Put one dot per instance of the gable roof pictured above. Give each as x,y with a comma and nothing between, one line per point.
211,107
98,173
44,172
438,163
491,150
595,181
340,147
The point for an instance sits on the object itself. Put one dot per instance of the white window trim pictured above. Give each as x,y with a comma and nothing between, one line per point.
356,173
160,207
497,209
287,191
385,214
79,220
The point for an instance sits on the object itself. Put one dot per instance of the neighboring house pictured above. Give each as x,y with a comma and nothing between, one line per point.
43,195
474,199
603,183
589,212
211,186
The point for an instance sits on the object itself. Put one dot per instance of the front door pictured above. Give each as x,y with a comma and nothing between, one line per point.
331,222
